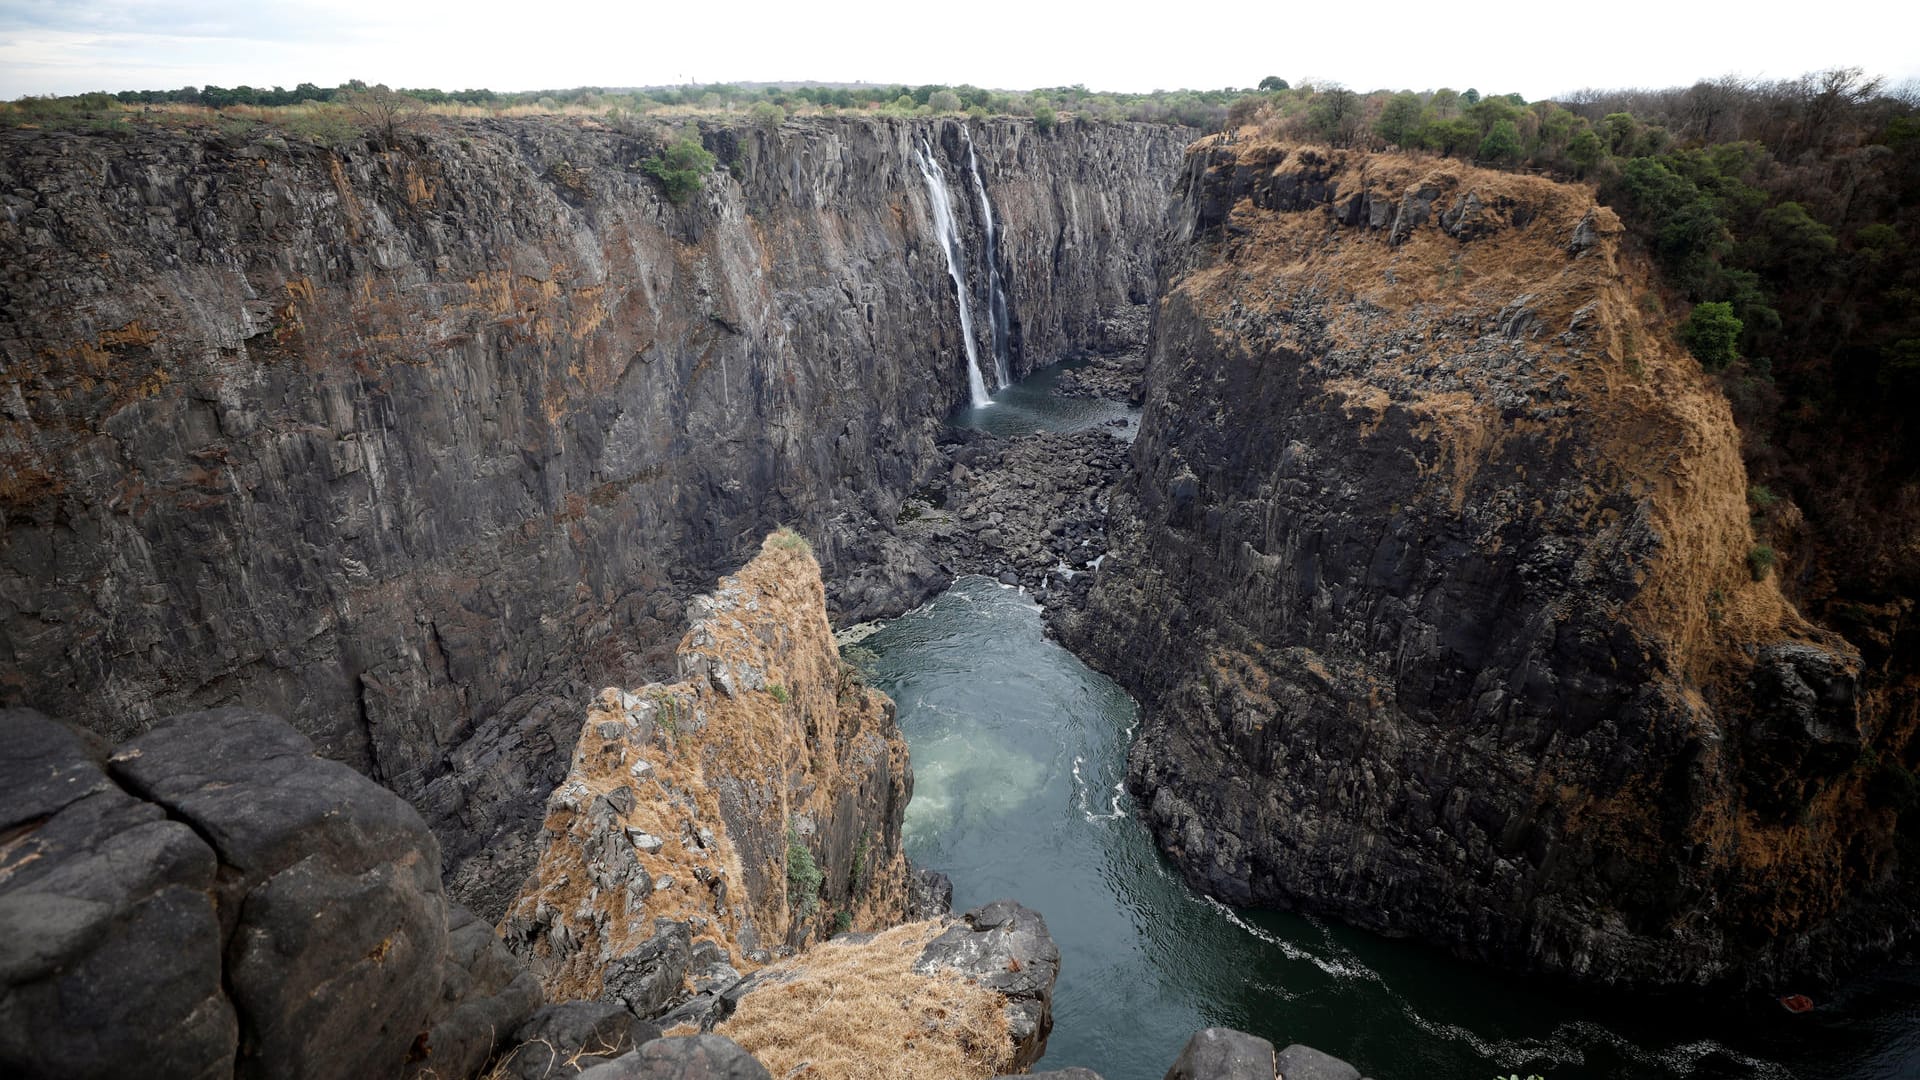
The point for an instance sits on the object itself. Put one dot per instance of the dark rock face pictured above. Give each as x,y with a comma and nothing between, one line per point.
1430,577
1006,948
686,1057
648,978
418,446
929,894
484,990
284,913
571,1037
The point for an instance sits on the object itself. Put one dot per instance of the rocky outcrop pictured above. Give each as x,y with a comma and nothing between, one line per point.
686,1057
1432,578
1029,510
945,999
284,914
1005,948
417,444
747,808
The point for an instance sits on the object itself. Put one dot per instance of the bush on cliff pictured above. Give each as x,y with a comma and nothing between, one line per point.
803,876
1712,333
680,167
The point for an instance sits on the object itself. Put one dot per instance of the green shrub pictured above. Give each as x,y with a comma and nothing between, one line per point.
767,116
680,167
1762,497
1043,117
788,540
1760,560
856,875
779,692
1502,143
1712,334
803,875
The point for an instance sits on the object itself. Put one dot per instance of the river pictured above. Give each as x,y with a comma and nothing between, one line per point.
1019,750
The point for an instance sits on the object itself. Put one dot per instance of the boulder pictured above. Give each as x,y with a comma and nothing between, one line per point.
95,884
1224,1054
1005,947
686,1057
572,1037
1299,1062
329,891
649,978
929,894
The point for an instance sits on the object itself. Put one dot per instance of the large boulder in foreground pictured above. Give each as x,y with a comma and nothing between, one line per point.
95,884
1006,948
284,913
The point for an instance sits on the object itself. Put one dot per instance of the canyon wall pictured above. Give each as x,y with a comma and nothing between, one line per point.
420,444
1433,575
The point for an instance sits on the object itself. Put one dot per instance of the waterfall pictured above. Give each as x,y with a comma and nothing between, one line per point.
956,262
997,294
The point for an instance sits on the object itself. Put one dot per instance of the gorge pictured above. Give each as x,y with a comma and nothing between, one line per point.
1428,567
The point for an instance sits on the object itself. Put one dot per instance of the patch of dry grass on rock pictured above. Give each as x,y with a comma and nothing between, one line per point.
860,1010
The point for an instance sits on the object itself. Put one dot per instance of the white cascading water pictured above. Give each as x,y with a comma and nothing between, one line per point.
956,261
997,294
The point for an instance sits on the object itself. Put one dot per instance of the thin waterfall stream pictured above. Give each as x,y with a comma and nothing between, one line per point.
997,309
950,244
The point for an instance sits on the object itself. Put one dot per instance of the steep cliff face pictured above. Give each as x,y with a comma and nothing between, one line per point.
418,445
1437,596
754,801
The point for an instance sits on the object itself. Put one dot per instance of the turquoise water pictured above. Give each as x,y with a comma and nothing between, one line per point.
1029,406
1018,753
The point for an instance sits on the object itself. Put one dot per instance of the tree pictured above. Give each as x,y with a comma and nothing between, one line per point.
1043,117
1273,84
944,101
1399,123
1335,115
1502,142
1712,334
1584,150
680,167
1471,96
382,111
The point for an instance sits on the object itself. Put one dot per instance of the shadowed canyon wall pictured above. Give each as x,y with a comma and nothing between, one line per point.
1432,573
421,445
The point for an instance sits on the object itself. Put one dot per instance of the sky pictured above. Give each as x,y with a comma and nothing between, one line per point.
1538,49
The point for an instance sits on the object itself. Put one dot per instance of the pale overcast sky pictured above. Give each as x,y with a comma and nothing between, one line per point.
1538,49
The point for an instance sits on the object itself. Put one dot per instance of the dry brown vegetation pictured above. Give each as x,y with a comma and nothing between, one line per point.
860,1011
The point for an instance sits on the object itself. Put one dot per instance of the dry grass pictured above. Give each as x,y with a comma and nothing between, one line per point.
860,1011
